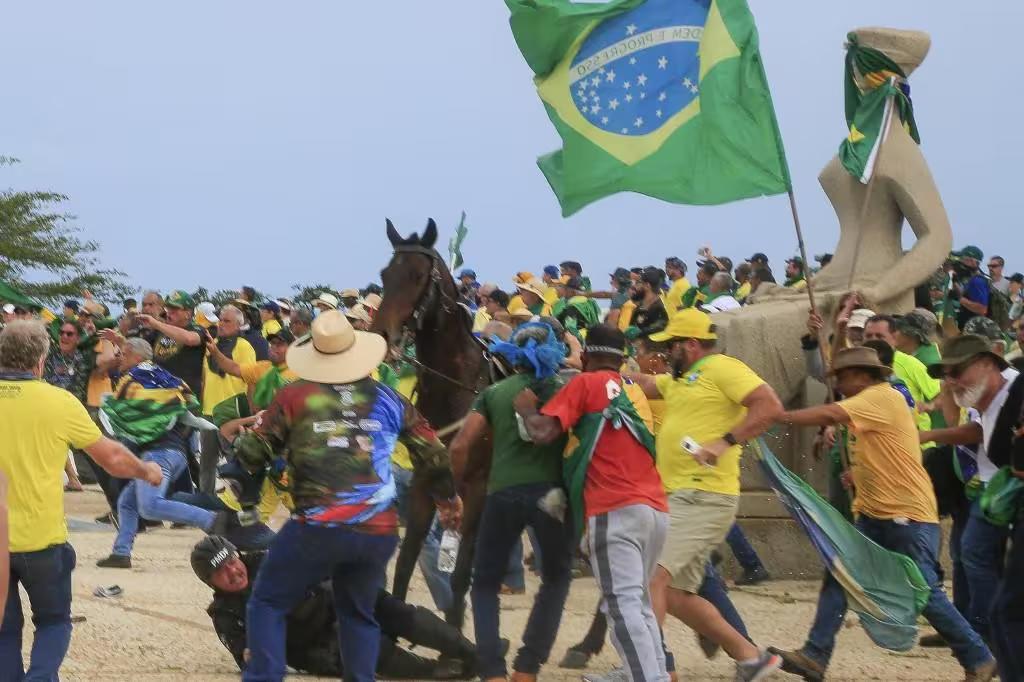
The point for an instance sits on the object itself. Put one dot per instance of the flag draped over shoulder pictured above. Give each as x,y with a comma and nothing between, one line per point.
667,98
147,402
885,589
869,111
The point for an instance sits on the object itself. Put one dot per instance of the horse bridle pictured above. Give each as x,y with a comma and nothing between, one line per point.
428,298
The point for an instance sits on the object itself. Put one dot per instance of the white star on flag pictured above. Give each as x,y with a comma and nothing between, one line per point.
629,98
661,97
604,120
643,95
610,77
631,29
694,90
638,122
581,93
641,80
662,62
613,105
596,108
625,131
687,82
658,113
632,60
626,84
601,70
595,81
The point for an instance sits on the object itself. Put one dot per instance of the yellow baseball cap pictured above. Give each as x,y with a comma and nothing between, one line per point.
687,324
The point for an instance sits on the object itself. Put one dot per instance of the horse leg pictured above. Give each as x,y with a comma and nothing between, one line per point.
473,504
421,516
578,655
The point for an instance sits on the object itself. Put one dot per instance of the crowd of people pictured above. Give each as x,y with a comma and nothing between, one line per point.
304,407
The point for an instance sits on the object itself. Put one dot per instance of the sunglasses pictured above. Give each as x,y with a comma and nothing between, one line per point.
994,266
63,333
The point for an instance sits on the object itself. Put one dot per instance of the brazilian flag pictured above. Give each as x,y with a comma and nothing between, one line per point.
667,98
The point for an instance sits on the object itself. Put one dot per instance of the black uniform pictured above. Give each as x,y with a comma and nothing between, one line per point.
312,644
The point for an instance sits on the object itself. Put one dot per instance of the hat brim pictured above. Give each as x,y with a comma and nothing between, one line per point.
937,370
358,362
884,369
533,290
661,337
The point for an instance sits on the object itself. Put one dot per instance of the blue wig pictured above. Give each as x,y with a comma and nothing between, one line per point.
533,346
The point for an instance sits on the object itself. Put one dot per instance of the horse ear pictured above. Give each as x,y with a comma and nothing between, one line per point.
393,235
429,234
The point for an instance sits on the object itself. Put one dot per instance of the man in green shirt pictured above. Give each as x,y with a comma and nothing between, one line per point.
524,489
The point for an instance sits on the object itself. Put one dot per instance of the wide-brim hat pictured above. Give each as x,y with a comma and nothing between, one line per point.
960,349
372,301
534,287
329,300
859,357
335,353
358,312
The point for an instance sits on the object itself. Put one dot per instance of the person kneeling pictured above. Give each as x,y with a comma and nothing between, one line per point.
312,645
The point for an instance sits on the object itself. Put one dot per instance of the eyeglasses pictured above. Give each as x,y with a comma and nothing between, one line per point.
63,333
994,266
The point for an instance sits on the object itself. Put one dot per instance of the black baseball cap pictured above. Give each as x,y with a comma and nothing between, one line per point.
209,554
284,334
758,258
621,275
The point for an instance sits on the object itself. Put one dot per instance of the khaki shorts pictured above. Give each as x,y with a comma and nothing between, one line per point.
698,523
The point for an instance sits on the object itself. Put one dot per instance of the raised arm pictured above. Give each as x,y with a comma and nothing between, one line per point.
118,460
183,336
821,415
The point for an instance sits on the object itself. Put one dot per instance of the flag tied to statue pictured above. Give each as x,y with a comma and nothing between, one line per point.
667,98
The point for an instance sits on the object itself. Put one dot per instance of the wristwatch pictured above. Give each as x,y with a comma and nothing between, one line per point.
730,439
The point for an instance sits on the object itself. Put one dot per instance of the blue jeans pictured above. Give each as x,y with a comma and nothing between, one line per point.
715,591
46,577
300,557
920,542
982,550
506,513
141,499
1008,612
741,548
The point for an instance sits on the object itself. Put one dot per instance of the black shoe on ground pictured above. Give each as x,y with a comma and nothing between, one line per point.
575,659
758,575
107,519
115,561
708,646
798,663
934,640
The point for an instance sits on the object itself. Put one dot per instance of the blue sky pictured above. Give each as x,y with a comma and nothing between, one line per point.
264,143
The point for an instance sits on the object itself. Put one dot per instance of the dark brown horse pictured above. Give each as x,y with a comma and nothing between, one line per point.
421,301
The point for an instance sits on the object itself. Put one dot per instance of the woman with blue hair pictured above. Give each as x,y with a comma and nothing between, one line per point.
524,490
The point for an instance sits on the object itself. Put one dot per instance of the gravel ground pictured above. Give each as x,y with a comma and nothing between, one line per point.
158,629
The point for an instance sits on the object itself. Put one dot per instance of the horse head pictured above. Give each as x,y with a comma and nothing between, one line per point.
415,282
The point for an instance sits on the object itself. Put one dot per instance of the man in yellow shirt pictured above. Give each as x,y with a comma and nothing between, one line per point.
895,506
675,269
38,424
218,385
796,273
713,404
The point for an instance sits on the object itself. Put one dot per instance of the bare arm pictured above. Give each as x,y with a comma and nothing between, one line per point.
541,428
177,334
106,360
973,306
473,429
118,460
763,409
647,382
821,415
612,318
967,434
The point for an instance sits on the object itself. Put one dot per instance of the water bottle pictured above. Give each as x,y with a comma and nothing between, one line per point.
449,551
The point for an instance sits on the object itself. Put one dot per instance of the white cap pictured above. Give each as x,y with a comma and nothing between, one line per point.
209,311
9,308
859,318
284,304
329,300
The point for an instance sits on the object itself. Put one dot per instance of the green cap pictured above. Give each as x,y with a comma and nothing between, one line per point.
179,299
960,349
969,251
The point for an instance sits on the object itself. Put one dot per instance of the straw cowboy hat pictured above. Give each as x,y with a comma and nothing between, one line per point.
857,358
335,353
359,313
327,300
372,301
534,286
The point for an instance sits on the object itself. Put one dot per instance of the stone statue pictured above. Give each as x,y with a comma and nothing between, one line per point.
766,334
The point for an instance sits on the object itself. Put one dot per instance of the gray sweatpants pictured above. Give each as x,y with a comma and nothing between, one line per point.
625,545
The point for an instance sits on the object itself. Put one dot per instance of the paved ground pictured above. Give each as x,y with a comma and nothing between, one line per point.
158,629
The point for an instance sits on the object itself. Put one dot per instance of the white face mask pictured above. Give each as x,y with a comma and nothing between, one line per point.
969,397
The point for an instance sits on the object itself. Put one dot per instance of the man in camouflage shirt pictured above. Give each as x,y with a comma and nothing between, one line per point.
334,431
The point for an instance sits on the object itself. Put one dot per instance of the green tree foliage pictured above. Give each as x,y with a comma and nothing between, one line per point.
37,240
306,293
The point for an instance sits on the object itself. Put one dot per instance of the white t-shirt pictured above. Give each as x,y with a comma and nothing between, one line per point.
1002,285
721,303
987,420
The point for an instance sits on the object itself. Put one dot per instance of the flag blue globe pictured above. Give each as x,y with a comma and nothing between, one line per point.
637,70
